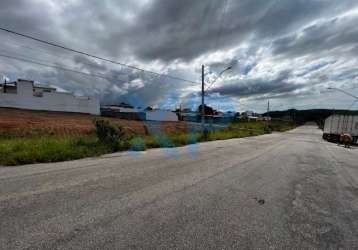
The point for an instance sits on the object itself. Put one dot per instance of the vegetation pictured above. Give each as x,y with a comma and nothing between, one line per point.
109,134
234,130
17,151
17,148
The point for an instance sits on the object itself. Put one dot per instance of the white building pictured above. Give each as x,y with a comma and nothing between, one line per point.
161,115
25,95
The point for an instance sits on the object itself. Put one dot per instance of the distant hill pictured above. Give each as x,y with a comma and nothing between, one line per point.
303,116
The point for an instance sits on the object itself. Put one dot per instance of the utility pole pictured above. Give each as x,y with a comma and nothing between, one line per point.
202,98
203,93
4,88
268,108
180,112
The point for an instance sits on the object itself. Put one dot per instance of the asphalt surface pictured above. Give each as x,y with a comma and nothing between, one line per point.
278,191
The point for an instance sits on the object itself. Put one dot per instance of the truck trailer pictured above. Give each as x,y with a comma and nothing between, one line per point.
336,125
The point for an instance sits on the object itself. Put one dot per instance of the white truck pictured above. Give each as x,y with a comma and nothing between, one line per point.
336,125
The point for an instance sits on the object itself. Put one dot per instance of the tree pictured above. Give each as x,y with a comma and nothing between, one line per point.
207,110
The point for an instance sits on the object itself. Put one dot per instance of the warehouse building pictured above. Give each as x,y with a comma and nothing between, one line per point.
126,111
25,94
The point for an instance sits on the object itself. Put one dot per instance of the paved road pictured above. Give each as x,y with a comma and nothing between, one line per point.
279,191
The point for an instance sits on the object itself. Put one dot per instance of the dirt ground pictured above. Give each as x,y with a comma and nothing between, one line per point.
70,123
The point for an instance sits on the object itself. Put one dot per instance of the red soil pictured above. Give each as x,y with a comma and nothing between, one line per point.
69,123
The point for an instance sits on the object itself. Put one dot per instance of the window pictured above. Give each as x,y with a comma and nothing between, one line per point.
356,125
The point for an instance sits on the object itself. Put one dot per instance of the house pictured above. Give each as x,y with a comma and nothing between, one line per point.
251,116
24,94
247,114
265,118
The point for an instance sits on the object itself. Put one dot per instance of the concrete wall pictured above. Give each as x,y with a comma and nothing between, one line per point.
51,101
161,115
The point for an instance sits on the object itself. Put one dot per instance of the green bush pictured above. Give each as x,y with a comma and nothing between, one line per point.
185,139
152,141
109,134
138,144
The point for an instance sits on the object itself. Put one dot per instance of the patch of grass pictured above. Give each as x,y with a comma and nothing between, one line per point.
230,134
37,132
21,151
185,139
37,146
267,127
234,130
137,144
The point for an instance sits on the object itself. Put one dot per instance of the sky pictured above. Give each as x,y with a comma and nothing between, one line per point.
285,51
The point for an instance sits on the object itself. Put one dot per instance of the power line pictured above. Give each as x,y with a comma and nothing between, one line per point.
44,52
32,60
62,68
55,66
94,56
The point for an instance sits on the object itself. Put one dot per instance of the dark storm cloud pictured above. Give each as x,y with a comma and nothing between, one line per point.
237,66
163,29
172,31
254,87
25,15
155,90
322,37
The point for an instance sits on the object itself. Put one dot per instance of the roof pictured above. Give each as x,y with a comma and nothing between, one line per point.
8,83
38,86
43,86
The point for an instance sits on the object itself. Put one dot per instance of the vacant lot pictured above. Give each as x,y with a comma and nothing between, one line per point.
39,136
59,123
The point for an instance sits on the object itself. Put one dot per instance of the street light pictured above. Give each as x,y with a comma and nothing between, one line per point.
345,92
218,77
203,92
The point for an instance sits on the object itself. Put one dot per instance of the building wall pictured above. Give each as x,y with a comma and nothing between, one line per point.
51,101
161,115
